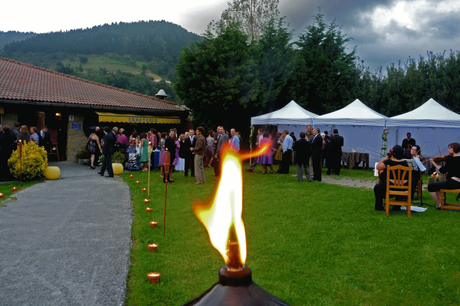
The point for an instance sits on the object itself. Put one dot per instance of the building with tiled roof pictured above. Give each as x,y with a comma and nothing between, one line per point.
71,107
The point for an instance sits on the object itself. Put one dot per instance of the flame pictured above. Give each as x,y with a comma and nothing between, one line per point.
262,150
223,216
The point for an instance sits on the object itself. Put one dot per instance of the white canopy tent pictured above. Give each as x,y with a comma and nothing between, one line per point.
291,117
360,126
355,113
432,126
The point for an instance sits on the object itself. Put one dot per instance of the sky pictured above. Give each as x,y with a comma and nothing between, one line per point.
383,31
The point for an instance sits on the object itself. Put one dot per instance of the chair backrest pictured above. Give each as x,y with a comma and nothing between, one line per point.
398,184
399,177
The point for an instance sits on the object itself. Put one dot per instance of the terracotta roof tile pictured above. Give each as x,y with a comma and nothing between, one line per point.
24,82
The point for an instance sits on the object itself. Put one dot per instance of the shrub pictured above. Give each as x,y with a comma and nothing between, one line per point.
117,157
84,154
34,162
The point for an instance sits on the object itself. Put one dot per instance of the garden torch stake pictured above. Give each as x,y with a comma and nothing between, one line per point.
166,162
20,162
148,183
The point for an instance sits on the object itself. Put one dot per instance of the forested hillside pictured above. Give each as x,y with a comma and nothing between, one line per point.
125,55
10,36
152,40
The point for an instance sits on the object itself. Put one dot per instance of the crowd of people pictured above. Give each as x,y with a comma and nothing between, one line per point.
191,151
9,139
312,151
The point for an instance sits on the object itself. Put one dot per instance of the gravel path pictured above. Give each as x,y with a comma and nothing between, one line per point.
67,241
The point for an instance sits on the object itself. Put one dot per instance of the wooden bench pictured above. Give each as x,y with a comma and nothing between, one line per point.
444,204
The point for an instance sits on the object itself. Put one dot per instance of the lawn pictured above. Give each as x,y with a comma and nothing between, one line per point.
308,244
95,62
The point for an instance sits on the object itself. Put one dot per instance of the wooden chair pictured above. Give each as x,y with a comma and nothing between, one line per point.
399,181
54,150
418,189
444,204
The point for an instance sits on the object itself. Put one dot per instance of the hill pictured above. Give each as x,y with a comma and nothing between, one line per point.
137,51
10,36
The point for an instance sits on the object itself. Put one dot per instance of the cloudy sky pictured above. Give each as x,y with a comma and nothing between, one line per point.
384,31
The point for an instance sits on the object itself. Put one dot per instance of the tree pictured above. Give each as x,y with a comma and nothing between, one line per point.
274,54
216,79
83,59
252,15
325,75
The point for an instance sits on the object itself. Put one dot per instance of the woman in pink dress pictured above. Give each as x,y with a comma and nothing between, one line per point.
266,159
176,159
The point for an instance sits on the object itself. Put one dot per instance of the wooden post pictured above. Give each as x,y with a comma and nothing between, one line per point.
149,149
20,162
167,160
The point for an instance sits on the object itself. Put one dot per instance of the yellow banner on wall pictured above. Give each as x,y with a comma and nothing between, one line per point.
130,118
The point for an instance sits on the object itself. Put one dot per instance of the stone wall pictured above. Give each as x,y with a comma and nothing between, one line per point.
76,139
9,119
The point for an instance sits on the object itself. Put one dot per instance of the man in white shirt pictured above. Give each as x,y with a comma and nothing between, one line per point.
234,142
286,147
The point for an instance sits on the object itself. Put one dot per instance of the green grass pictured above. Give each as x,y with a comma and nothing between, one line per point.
355,174
112,65
308,243
6,189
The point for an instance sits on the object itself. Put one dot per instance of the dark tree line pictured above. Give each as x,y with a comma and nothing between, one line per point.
408,85
10,36
229,78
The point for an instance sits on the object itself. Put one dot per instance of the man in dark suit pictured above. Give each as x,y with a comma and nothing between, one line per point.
335,152
302,150
44,139
316,146
170,145
107,150
409,142
222,141
190,158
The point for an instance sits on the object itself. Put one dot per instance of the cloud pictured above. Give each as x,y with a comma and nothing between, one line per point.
445,26
385,31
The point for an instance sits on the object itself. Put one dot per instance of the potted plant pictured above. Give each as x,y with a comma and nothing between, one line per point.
118,159
83,157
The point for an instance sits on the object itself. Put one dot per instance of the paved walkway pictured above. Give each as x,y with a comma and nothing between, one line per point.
67,241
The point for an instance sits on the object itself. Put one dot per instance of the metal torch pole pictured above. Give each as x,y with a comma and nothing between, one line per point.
167,159
20,162
149,152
